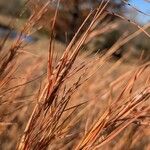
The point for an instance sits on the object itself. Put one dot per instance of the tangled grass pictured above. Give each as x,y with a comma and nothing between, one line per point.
80,102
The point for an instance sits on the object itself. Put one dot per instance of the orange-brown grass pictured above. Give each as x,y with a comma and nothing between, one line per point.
80,101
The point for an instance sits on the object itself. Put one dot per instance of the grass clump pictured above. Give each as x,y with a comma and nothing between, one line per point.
81,102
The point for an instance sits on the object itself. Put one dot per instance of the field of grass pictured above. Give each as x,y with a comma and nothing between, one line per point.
59,97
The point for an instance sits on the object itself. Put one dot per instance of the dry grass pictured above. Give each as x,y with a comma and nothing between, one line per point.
73,100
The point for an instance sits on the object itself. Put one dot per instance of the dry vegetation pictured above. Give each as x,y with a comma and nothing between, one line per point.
70,99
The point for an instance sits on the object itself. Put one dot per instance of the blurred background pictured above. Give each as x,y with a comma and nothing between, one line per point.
73,12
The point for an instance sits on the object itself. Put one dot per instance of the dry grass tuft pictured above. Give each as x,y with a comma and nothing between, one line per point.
81,102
